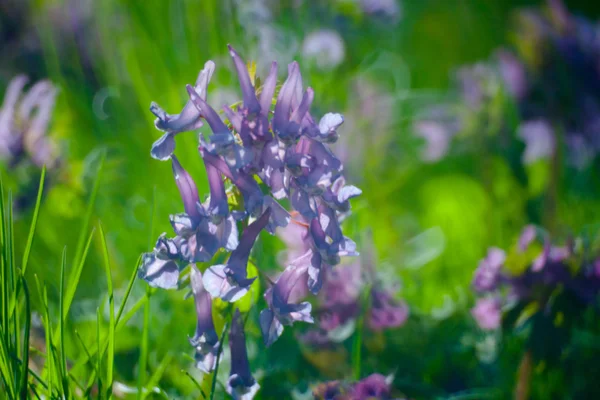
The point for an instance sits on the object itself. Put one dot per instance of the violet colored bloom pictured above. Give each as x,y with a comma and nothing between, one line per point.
386,312
539,140
205,339
375,386
241,385
487,276
487,313
385,8
281,310
188,119
230,281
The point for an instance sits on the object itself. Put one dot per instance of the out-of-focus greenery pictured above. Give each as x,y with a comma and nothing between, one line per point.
431,223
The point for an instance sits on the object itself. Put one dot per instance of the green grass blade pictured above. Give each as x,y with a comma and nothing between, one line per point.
196,383
7,374
85,349
61,322
89,213
26,333
128,290
158,373
144,345
111,321
74,277
33,225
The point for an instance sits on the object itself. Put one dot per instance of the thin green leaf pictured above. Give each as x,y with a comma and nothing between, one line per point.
26,333
33,225
111,320
61,321
158,373
216,371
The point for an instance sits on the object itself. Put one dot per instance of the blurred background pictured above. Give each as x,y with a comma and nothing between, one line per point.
462,125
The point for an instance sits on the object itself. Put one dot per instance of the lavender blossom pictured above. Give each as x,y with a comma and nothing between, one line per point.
240,385
205,339
230,281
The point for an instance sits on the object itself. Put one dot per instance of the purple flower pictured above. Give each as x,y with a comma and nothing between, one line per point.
437,139
375,386
528,235
487,313
539,140
187,120
487,275
386,312
230,281
205,340
240,385
281,310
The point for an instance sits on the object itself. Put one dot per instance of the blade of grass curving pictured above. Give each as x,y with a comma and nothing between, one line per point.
12,276
98,357
33,225
75,276
158,373
128,291
26,333
88,217
196,383
85,349
111,320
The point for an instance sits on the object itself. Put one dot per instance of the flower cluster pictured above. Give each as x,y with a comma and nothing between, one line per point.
254,159
375,386
552,79
535,272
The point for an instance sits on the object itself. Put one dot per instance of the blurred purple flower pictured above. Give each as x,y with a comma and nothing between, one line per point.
326,47
375,386
513,74
240,385
487,275
161,267
386,312
487,313
24,119
539,140
437,139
